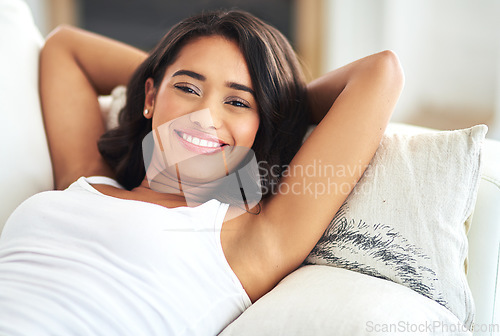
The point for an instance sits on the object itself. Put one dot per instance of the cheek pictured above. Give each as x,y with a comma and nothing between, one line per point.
246,130
167,108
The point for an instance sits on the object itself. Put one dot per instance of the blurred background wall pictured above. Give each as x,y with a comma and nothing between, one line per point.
450,49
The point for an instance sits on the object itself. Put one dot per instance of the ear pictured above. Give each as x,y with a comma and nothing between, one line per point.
149,100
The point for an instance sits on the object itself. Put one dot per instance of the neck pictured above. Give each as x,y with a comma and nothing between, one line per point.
165,181
166,190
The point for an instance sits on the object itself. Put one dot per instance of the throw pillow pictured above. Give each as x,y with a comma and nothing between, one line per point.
404,221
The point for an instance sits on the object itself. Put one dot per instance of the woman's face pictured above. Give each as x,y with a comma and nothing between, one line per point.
205,104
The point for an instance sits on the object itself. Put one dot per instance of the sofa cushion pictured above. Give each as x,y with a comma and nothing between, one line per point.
26,168
404,221
484,240
322,300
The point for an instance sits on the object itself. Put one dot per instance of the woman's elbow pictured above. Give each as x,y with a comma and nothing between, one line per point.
59,37
392,69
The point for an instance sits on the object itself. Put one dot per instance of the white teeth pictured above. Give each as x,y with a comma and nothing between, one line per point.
199,142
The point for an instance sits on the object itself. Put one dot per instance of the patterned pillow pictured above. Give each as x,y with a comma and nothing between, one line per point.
404,221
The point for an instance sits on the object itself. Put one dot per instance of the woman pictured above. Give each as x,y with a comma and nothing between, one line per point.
108,254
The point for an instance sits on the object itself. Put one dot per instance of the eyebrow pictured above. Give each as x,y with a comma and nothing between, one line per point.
200,77
189,73
240,87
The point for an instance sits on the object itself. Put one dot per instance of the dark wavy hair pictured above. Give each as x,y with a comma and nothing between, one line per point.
277,80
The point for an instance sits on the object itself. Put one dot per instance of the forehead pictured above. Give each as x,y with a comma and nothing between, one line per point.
213,56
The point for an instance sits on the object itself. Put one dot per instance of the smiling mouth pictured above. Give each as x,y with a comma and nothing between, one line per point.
200,145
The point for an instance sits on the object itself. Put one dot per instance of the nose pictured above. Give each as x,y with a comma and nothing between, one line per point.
207,118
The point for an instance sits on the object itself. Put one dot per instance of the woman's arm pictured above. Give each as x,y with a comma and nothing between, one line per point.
75,68
359,98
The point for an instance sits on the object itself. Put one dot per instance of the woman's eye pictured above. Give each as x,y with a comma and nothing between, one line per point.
186,89
238,103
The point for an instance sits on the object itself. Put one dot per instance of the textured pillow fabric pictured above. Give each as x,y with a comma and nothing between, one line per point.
112,104
323,301
404,221
26,168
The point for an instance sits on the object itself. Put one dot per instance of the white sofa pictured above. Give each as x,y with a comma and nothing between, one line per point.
26,170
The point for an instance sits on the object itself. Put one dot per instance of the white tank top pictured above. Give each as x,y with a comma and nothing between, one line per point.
79,262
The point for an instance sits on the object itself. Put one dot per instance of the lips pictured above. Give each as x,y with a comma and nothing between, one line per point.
199,142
